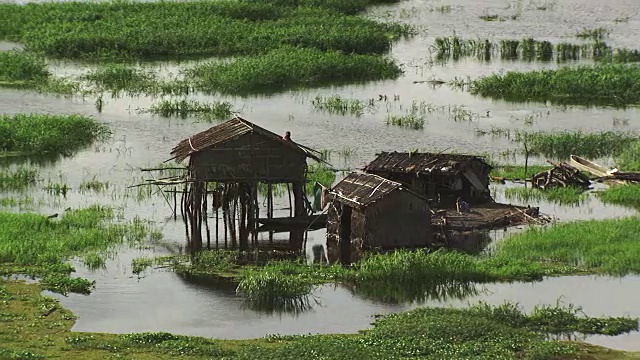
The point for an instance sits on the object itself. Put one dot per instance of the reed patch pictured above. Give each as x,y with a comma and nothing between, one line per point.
53,134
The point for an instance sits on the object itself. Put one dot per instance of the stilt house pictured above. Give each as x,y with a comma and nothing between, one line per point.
439,177
367,211
235,156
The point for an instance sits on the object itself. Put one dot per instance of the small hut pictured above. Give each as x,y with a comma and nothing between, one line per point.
439,177
367,211
233,158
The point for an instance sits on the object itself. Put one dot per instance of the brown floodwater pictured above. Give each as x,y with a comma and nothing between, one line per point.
164,301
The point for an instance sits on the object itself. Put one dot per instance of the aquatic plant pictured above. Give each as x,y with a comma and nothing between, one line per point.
603,246
40,245
18,179
516,172
559,145
628,158
617,84
193,28
341,106
18,67
557,195
320,173
41,133
217,110
94,185
593,34
117,77
412,121
289,67
626,195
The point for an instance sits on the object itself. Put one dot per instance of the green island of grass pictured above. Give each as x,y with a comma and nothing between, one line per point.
40,134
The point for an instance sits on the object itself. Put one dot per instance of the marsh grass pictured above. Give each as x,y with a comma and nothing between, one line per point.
117,77
516,172
320,173
615,84
626,195
221,28
602,246
342,106
593,34
53,134
18,179
290,67
559,145
411,121
557,195
19,67
629,158
217,110
41,246
94,184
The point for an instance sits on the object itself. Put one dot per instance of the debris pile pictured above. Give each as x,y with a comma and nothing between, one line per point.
561,175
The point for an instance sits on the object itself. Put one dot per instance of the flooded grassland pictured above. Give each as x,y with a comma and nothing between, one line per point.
93,92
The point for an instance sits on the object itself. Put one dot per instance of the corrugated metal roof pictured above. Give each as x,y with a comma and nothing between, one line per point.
360,189
224,132
422,162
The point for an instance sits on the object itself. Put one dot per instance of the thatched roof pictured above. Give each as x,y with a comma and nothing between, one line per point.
422,163
227,131
360,189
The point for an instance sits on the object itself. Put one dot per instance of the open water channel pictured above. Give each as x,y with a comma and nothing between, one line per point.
163,301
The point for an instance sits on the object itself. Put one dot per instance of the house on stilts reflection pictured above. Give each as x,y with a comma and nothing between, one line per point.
442,178
369,212
226,165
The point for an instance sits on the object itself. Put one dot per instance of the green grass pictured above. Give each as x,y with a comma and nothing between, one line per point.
341,106
53,134
557,195
616,84
217,110
118,77
601,246
411,121
627,195
516,172
593,34
20,67
559,145
629,158
112,29
289,67
18,179
33,244
321,173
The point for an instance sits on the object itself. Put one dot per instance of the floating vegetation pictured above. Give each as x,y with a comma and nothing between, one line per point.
342,106
289,67
55,134
194,28
626,195
18,179
593,34
557,195
217,110
616,84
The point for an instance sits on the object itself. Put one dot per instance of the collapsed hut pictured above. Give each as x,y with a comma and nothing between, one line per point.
442,178
226,164
367,212
561,175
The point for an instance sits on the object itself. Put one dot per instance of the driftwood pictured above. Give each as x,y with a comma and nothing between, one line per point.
632,177
561,175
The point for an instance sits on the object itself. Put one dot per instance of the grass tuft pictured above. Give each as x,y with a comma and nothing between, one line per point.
218,110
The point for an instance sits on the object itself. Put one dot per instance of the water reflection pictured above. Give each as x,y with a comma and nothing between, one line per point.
417,292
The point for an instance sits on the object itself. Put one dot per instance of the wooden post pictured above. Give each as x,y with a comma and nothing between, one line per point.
270,208
345,235
217,228
244,216
297,235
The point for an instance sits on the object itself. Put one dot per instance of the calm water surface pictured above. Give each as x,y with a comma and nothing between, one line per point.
163,301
